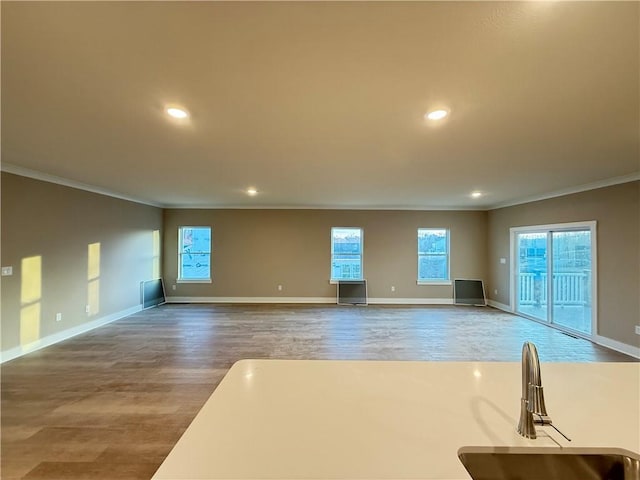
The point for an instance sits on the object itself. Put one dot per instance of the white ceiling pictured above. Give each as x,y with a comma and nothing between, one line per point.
321,104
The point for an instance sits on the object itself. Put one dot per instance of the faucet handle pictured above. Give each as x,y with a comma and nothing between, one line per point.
545,420
536,401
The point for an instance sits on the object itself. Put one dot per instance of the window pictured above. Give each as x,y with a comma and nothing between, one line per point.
194,254
433,255
346,253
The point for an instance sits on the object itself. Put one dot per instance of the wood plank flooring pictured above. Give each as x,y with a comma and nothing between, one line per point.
110,404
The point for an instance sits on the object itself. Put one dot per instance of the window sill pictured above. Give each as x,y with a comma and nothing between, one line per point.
335,282
204,280
434,282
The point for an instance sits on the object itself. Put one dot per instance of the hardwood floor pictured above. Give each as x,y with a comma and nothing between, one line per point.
110,404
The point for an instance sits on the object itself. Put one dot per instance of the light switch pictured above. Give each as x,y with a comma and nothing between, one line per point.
6,271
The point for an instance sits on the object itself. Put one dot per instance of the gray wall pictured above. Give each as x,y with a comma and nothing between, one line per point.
57,224
617,212
255,250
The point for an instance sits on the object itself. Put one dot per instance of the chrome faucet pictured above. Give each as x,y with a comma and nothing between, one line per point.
532,401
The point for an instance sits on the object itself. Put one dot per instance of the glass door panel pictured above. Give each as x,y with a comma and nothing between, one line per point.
571,289
531,278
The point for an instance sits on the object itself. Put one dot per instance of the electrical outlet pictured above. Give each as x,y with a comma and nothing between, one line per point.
495,292
393,288
279,288
503,260
6,271
87,309
173,287
58,317
637,329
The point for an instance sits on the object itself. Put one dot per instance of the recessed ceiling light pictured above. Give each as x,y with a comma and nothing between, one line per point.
252,192
436,115
177,112
476,194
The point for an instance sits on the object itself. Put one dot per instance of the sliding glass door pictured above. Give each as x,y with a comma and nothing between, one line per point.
553,278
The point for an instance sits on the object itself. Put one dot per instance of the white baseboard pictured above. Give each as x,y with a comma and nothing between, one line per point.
16,352
322,300
410,301
251,299
499,306
617,346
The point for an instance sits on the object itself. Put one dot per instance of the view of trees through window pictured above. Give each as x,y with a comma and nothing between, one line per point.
195,253
346,253
433,254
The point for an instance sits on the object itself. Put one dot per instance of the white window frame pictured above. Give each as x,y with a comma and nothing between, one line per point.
437,281
336,280
180,279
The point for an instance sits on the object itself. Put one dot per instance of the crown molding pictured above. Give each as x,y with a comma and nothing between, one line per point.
45,177
323,207
609,182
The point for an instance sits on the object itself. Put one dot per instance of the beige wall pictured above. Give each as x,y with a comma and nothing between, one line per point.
617,212
57,224
255,250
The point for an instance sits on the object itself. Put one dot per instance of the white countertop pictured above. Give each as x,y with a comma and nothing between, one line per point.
290,419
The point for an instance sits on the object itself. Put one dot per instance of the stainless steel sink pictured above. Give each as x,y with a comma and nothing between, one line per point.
489,463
